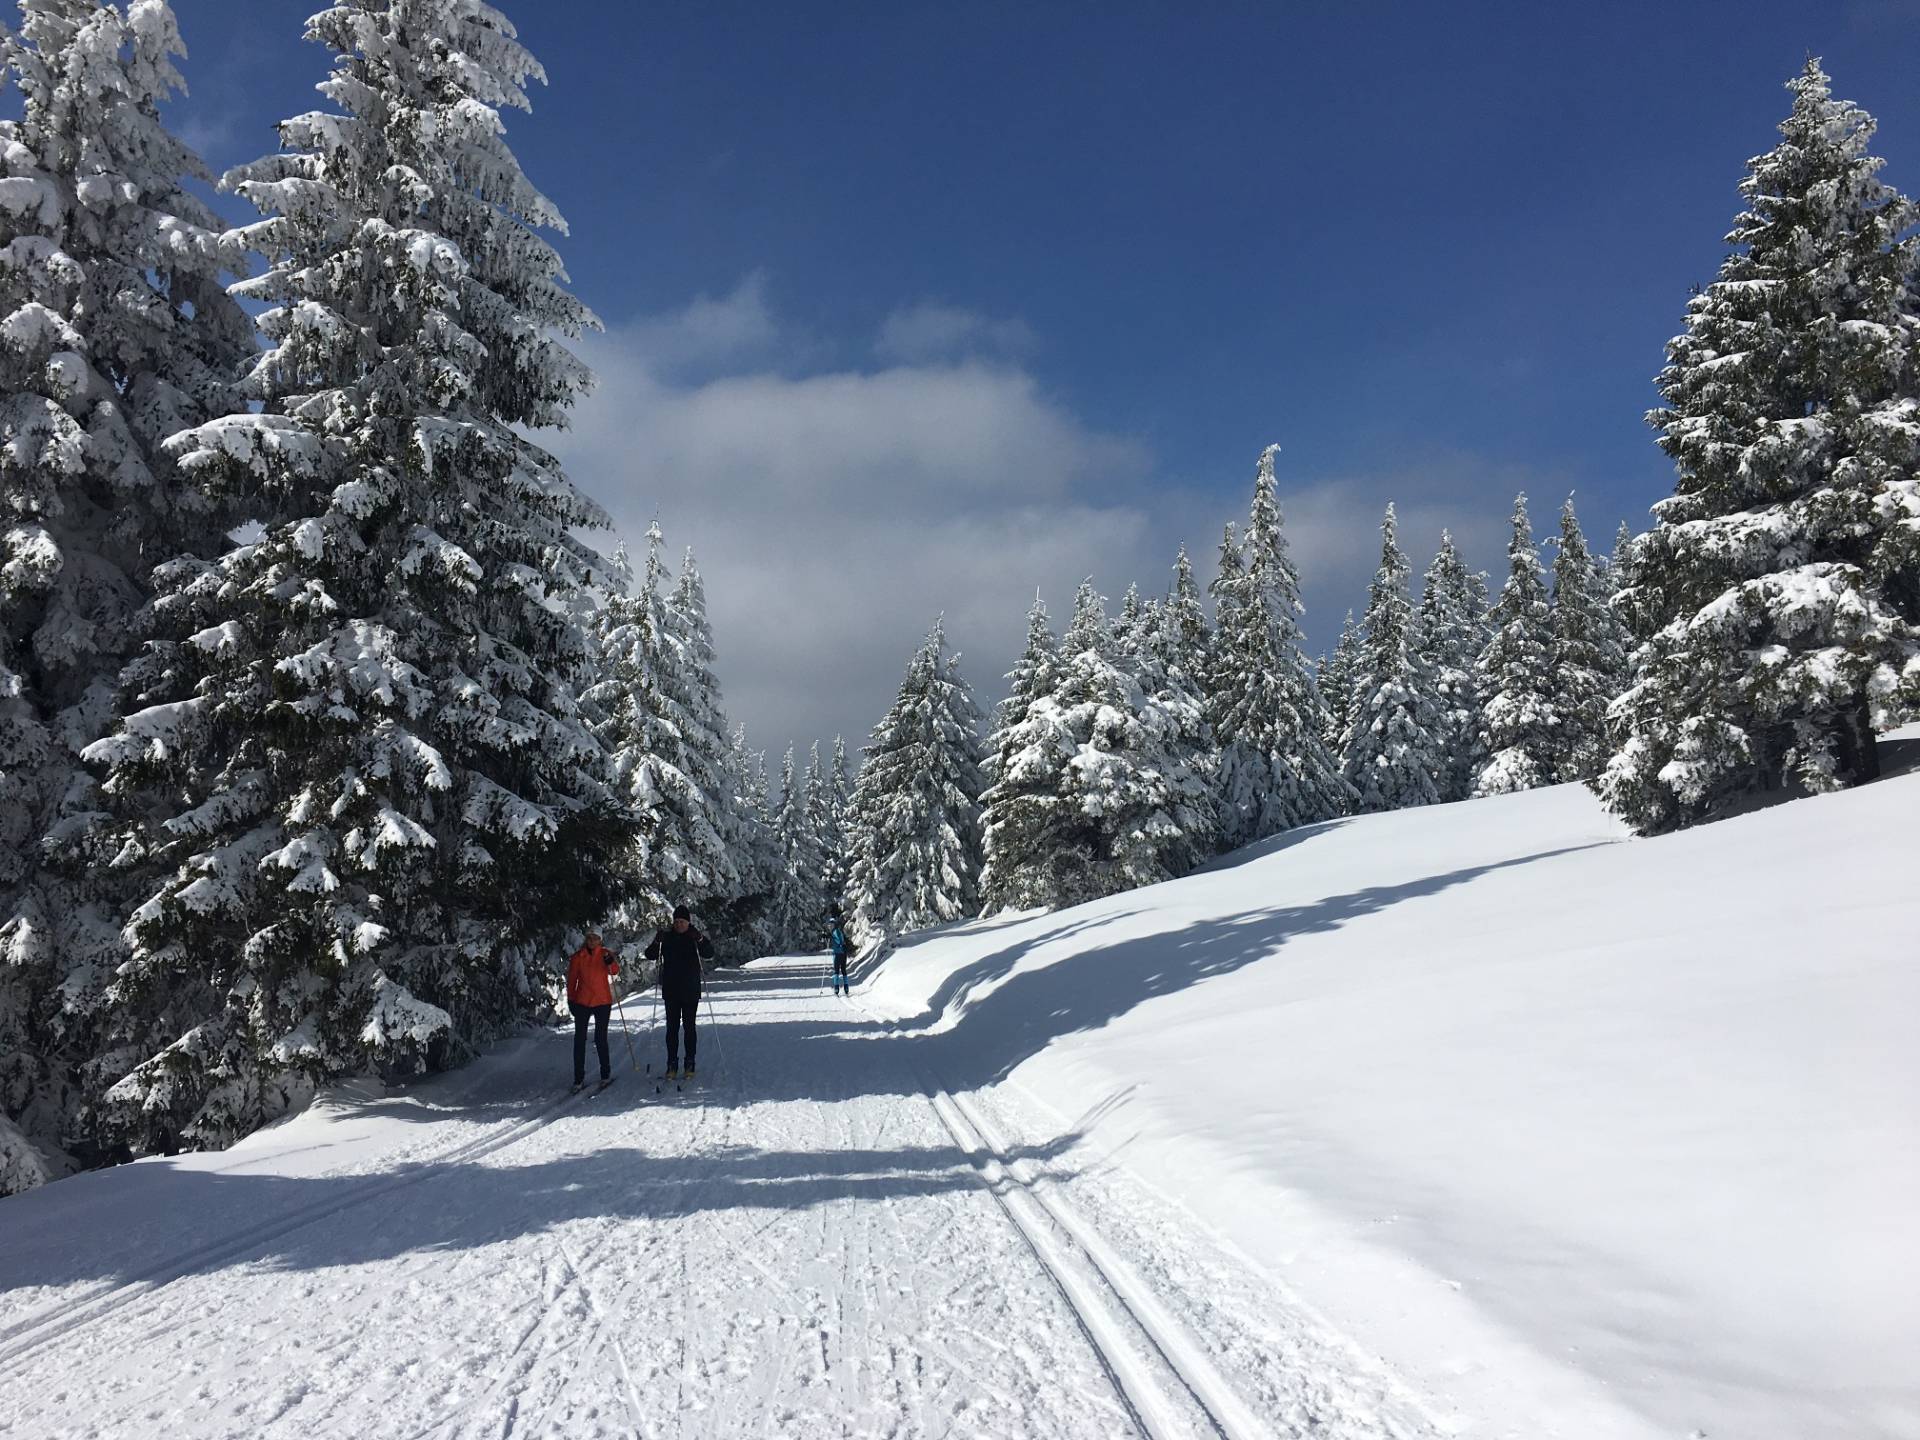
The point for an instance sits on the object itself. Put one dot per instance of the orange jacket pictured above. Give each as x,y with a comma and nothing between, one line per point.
588,973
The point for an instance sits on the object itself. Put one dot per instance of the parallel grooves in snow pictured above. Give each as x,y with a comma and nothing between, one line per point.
1106,1296
1143,1397
23,1337
1234,1417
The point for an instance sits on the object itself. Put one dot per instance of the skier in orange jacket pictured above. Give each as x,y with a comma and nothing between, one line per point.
590,996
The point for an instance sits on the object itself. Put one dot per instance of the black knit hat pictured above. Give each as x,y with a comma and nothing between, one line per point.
680,912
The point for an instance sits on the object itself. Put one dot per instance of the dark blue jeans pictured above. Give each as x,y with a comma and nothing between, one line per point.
598,1014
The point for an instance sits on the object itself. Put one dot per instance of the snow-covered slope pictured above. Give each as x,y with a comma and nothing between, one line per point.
1469,1121
1571,1130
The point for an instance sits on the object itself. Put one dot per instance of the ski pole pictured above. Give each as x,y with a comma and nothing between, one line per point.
712,1028
653,1019
626,1031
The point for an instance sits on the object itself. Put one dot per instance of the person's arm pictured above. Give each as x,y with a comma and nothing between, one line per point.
705,947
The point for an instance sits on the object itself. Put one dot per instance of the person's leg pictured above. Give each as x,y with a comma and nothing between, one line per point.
840,969
600,1014
580,1013
673,1032
693,1012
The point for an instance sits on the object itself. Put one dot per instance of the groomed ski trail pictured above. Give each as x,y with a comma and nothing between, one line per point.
786,1249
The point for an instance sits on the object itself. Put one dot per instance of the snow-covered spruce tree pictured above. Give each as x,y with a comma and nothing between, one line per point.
839,809
916,803
385,812
820,821
1183,639
115,331
1262,702
1623,582
798,899
1132,632
1449,639
1010,826
1179,645
701,719
1389,752
1088,802
1173,715
1780,585
1517,686
1334,676
620,703
654,703
1589,654
743,927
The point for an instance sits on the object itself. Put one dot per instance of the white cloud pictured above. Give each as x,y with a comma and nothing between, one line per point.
836,513
710,332
932,331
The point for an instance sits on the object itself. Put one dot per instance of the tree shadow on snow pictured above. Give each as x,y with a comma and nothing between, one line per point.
289,1223
992,1016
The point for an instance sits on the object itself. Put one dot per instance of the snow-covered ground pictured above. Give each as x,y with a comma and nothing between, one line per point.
1583,1136
1462,1121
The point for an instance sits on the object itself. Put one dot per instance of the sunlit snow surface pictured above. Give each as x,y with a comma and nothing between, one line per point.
1472,1120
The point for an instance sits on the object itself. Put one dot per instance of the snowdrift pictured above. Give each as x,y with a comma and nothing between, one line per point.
1583,1135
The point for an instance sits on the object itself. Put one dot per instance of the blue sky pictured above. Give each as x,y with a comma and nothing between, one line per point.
912,309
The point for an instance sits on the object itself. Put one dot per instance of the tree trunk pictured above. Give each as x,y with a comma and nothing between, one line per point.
1859,746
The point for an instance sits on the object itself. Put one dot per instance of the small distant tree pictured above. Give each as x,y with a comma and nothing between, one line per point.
1589,654
1264,707
916,802
1449,631
1390,751
1522,736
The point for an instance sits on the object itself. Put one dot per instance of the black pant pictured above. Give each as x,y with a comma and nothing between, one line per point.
682,1010
599,1014
840,969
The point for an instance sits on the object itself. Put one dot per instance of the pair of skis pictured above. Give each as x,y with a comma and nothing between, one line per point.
679,1082
585,1089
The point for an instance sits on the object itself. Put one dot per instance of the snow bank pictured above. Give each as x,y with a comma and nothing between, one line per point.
1584,1136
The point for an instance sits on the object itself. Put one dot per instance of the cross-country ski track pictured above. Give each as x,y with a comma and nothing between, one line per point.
1468,1121
786,1248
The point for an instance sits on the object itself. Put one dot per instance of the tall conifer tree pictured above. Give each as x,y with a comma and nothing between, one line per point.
1390,753
386,809
1517,685
1780,585
115,331
1264,707
799,900
916,803
1589,653
1335,677
1449,642
1014,813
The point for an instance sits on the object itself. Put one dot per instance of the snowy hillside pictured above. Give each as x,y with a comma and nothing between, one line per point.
1466,1120
1553,1123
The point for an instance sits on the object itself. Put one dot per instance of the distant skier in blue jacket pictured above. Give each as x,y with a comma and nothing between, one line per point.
838,941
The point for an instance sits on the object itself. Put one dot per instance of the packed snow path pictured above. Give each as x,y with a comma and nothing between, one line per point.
816,1241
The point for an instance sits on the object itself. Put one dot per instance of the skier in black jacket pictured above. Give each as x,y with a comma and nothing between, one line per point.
679,951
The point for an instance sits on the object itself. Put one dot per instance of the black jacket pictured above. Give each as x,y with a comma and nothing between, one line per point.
680,954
